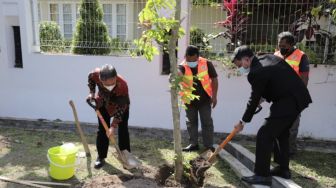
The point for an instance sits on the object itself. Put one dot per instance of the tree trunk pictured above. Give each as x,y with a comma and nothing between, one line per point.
174,95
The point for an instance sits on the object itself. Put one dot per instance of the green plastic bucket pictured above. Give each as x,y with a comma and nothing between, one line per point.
62,161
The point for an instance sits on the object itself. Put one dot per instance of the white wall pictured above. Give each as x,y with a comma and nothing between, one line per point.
44,86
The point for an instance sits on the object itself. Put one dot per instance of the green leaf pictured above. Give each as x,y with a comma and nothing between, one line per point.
316,10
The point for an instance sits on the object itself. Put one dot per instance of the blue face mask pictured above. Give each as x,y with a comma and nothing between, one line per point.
192,64
244,71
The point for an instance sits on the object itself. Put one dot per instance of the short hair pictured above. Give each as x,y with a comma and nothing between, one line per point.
106,72
192,50
241,52
288,36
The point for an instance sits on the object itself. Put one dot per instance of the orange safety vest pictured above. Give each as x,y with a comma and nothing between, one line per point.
293,60
202,75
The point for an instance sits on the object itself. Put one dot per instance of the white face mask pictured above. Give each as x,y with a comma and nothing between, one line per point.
192,64
244,71
109,87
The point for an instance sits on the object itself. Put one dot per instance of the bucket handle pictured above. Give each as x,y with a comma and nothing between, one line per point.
77,162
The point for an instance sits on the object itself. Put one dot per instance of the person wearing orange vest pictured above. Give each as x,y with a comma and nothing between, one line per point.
300,64
200,74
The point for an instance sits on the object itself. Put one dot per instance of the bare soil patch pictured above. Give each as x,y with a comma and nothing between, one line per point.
142,177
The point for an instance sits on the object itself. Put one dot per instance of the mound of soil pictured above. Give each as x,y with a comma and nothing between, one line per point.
113,181
143,177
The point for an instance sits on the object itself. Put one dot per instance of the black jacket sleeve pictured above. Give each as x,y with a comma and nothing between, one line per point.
258,80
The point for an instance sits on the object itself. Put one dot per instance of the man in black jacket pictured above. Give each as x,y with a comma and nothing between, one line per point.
274,80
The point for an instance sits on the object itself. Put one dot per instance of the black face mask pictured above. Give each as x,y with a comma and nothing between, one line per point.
284,51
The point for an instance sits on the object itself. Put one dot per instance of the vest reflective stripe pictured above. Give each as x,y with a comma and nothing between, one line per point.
293,60
202,75
187,83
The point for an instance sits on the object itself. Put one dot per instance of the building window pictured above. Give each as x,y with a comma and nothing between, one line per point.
54,15
107,8
17,47
67,21
121,21
66,15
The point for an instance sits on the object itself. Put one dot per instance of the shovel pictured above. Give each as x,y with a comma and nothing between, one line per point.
203,162
125,158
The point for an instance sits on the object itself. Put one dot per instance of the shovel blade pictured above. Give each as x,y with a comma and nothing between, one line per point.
130,160
127,160
198,168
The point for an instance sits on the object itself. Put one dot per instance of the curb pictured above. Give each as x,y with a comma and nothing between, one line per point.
242,162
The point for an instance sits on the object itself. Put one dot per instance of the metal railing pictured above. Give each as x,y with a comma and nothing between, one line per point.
217,26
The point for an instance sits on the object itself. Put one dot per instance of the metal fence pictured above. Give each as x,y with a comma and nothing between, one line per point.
105,27
217,26
226,24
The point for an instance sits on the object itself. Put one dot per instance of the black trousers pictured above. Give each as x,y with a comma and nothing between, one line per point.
204,111
273,129
293,132
102,141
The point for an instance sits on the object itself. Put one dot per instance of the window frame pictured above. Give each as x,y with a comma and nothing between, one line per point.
113,33
66,22
123,24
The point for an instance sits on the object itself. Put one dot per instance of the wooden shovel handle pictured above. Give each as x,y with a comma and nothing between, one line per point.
100,118
105,125
121,157
222,145
228,138
81,133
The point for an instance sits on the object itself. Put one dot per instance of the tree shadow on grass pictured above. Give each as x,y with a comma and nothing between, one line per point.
305,181
313,167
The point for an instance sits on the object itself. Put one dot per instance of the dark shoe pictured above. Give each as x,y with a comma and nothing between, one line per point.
191,148
99,163
277,171
260,180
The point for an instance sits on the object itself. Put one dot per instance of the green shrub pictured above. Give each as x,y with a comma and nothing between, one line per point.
311,54
199,39
91,36
262,48
51,39
117,45
206,2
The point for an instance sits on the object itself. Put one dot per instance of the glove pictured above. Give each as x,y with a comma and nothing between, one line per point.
90,97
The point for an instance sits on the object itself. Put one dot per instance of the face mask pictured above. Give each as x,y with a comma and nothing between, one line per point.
109,87
192,64
244,71
284,51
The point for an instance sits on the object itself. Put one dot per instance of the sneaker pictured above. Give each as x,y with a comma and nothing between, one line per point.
191,148
99,163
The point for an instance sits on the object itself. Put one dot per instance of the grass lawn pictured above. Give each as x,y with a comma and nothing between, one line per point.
23,156
311,169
